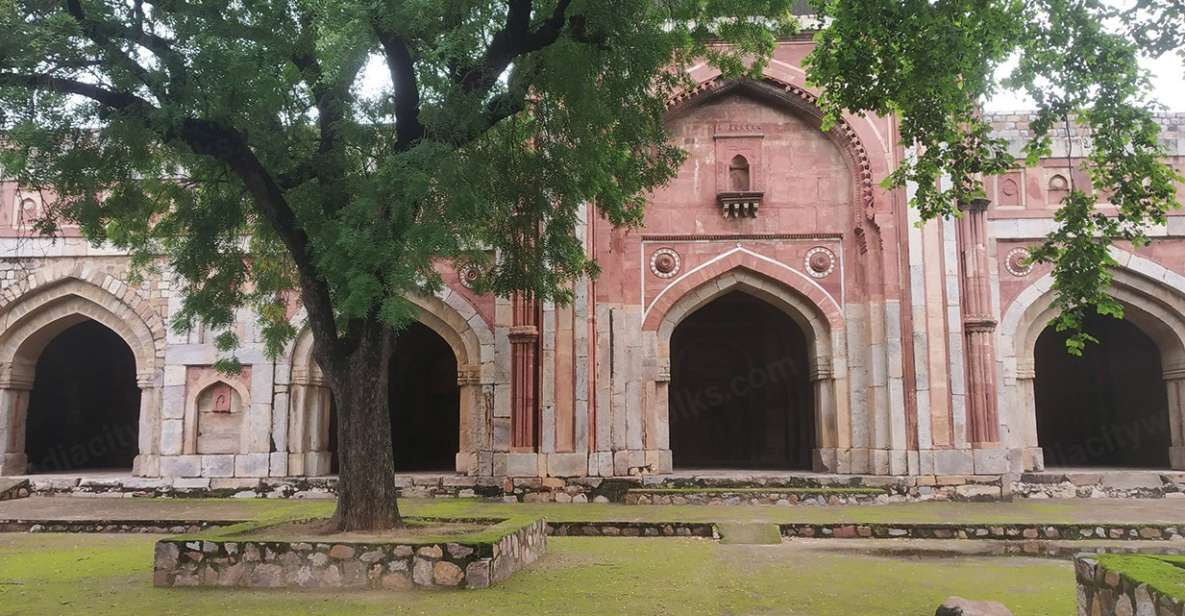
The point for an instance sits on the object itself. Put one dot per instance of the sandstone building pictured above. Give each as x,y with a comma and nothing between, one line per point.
779,310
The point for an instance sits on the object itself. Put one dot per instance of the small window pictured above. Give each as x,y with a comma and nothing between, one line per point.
28,212
738,174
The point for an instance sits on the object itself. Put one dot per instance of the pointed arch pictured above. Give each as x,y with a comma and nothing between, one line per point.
44,304
809,306
1154,301
451,316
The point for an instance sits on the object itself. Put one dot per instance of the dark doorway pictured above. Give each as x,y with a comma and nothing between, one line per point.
425,401
740,394
1108,407
84,412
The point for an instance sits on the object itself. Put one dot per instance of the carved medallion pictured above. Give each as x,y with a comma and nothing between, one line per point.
469,275
664,263
1018,263
819,262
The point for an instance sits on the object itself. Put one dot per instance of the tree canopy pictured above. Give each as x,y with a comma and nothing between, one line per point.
934,63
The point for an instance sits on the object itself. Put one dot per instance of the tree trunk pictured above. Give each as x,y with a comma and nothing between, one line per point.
366,463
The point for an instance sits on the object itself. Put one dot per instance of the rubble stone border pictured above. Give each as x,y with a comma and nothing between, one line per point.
1140,584
155,527
475,561
754,496
998,532
828,489
1013,532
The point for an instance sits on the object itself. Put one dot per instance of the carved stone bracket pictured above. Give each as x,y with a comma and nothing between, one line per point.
740,204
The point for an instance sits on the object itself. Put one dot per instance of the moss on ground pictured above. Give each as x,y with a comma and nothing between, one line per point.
1164,573
111,574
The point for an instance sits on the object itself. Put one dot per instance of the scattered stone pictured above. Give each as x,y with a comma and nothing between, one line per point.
432,551
958,606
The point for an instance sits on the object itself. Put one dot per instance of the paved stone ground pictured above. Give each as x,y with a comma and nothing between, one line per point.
1052,511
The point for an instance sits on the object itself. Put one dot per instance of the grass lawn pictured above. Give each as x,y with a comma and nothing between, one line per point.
43,574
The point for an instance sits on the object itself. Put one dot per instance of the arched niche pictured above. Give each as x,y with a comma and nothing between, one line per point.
215,410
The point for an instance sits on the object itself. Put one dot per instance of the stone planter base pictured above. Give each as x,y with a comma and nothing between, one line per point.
229,562
1105,591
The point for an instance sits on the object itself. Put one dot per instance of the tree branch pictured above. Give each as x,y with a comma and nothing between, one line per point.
408,128
227,145
122,101
514,40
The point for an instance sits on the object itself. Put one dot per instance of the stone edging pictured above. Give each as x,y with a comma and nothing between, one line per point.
1167,484
1103,591
782,497
631,529
1014,532
1004,532
309,565
161,527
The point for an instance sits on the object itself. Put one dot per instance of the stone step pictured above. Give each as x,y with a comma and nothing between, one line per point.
749,533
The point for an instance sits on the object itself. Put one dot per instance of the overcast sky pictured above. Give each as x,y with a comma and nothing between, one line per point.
1168,79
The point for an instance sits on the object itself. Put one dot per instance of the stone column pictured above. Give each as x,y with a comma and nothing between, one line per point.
308,426
473,422
1033,455
983,423
524,353
14,405
1174,380
147,461
825,459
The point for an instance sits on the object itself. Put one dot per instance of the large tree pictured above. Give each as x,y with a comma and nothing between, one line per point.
234,141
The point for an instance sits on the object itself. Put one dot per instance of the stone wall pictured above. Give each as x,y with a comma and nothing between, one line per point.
309,565
1104,592
1112,484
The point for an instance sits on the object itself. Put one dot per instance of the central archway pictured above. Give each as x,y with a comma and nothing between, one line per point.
740,392
424,401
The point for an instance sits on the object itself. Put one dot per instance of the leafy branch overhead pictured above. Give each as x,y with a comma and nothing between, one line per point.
182,128
933,63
